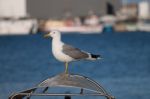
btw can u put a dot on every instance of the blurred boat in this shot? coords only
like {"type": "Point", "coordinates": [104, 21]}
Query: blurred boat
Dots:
{"type": "Point", "coordinates": [18, 27]}
{"type": "Point", "coordinates": [68, 27]}
{"type": "Point", "coordinates": [144, 25]}
{"type": "Point", "coordinates": [108, 22]}
{"type": "Point", "coordinates": [131, 27]}
{"type": "Point", "coordinates": [79, 29]}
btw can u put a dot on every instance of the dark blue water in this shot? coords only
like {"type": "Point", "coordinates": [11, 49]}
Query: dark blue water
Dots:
{"type": "Point", "coordinates": [124, 70]}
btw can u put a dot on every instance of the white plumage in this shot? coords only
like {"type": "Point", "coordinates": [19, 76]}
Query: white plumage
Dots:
{"type": "Point", "coordinates": [57, 47]}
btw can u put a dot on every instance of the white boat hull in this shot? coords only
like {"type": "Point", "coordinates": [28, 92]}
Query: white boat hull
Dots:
{"type": "Point", "coordinates": [17, 27]}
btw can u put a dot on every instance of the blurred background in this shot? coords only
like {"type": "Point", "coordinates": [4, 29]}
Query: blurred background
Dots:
{"type": "Point", "coordinates": [119, 30]}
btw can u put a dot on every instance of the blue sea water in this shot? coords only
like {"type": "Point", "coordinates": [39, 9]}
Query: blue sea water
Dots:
{"type": "Point", "coordinates": [124, 70]}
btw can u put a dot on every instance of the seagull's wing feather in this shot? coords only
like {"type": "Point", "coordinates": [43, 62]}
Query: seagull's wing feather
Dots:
{"type": "Point", "coordinates": [74, 52]}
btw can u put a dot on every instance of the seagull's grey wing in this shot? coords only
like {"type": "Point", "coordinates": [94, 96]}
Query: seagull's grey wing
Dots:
{"type": "Point", "coordinates": [74, 52]}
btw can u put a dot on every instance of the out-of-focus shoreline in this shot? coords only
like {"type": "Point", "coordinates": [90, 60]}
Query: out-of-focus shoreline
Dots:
{"type": "Point", "coordinates": [132, 17]}
{"type": "Point", "coordinates": [32, 26]}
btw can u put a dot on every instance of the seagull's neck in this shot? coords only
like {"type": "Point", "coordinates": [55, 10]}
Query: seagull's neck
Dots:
{"type": "Point", "coordinates": [56, 40]}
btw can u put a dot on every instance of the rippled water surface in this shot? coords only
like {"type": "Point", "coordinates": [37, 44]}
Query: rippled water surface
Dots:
{"type": "Point", "coordinates": [124, 70]}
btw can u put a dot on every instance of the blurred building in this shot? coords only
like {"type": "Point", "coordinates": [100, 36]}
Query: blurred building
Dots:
{"type": "Point", "coordinates": [128, 11]}
{"type": "Point", "coordinates": [58, 8]}
{"type": "Point", "coordinates": [12, 8]}
{"type": "Point", "coordinates": [144, 10]}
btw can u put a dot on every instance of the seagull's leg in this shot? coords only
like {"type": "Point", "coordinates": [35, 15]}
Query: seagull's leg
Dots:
{"type": "Point", "coordinates": [66, 67]}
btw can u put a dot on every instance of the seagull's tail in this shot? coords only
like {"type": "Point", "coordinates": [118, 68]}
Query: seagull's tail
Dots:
{"type": "Point", "coordinates": [94, 57]}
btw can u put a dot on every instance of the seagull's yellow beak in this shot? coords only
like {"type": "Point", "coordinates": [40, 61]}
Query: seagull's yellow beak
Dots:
{"type": "Point", "coordinates": [47, 35]}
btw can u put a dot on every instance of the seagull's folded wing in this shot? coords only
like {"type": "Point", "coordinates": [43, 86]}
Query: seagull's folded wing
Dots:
{"type": "Point", "coordinates": [74, 52]}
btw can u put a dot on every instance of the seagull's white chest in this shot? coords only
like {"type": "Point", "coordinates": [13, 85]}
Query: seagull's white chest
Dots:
{"type": "Point", "coordinates": [57, 50]}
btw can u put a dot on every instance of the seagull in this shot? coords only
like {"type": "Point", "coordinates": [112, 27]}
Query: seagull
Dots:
{"type": "Point", "coordinates": [67, 53]}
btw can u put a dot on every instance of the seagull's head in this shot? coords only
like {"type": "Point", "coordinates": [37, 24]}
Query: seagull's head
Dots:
{"type": "Point", "coordinates": [53, 34]}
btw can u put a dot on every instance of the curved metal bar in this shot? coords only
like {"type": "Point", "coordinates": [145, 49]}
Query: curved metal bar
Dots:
{"type": "Point", "coordinates": [65, 80]}
{"type": "Point", "coordinates": [73, 80]}
{"type": "Point", "coordinates": [59, 94]}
